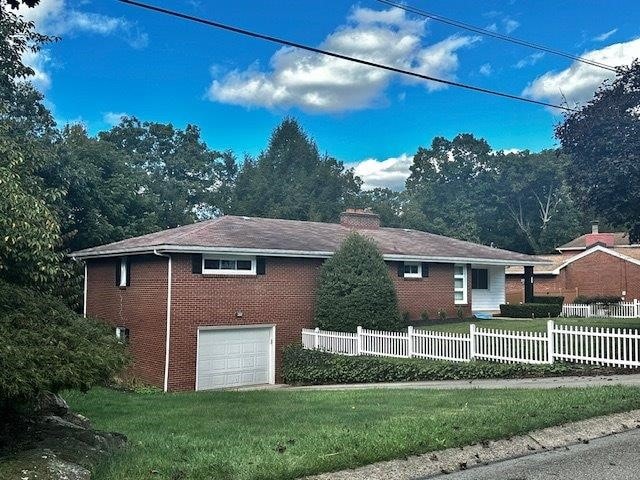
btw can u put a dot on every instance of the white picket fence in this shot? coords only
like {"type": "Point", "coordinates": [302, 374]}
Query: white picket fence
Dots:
{"type": "Point", "coordinates": [614, 310]}
{"type": "Point", "coordinates": [593, 345]}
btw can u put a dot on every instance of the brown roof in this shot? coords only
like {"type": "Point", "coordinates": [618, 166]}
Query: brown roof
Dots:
{"type": "Point", "coordinates": [299, 238]}
{"type": "Point", "coordinates": [619, 238]}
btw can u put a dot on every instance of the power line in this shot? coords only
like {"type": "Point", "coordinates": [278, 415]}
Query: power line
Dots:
{"type": "Point", "coordinates": [500, 36]}
{"type": "Point", "coordinates": [301, 46]}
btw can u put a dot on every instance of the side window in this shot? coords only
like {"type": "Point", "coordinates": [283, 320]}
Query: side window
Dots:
{"type": "Point", "coordinates": [460, 284]}
{"type": "Point", "coordinates": [480, 279]}
{"type": "Point", "coordinates": [123, 272]}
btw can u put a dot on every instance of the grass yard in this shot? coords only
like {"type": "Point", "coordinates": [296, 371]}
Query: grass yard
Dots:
{"type": "Point", "coordinates": [286, 434]}
{"type": "Point", "coordinates": [531, 325]}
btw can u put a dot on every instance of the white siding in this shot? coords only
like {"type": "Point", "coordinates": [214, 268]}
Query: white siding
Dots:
{"type": "Point", "coordinates": [489, 300]}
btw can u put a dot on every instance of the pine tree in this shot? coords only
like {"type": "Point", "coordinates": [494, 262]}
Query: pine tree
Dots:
{"type": "Point", "coordinates": [355, 289]}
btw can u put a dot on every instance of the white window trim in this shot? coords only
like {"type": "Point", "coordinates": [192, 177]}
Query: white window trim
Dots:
{"type": "Point", "coordinates": [221, 271]}
{"type": "Point", "coordinates": [464, 284]}
{"type": "Point", "coordinates": [123, 272]}
{"type": "Point", "coordinates": [413, 275]}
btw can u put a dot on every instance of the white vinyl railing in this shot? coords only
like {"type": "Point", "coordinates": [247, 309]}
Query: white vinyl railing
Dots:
{"type": "Point", "coordinates": [614, 310]}
{"type": "Point", "coordinates": [593, 345]}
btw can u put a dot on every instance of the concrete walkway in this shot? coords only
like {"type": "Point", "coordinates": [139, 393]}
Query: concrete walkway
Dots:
{"type": "Point", "coordinates": [459, 459]}
{"type": "Point", "coordinates": [542, 383]}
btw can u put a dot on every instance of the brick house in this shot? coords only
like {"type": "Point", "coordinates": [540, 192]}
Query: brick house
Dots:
{"type": "Point", "coordinates": [212, 304]}
{"type": "Point", "coordinates": [596, 263]}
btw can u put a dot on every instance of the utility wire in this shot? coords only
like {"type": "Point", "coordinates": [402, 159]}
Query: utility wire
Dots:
{"type": "Point", "coordinates": [500, 36]}
{"type": "Point", "coordinates": [301, 46]}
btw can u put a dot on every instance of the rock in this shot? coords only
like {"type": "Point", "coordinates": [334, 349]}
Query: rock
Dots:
{"type": "Point", "coordinates": [51, 404]}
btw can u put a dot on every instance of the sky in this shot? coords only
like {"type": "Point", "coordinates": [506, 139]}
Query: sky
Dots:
{"type": "Point", "coordinates": [113, 59]}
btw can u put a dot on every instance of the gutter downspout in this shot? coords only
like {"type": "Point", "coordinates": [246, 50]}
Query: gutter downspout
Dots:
{"type": "Point", "coordinates": [168, 321]}
{"type": "Point", "coordinates": [84, 301]}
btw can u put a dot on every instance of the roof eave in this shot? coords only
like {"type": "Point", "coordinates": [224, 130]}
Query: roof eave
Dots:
{"type": "Point", "coordinates": [88, 254]}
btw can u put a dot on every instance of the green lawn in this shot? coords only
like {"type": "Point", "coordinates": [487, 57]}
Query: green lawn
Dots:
{"type": "Point", "coordinates": [531, 325]}
{"type": "Point", "coordinates": [286, 434]}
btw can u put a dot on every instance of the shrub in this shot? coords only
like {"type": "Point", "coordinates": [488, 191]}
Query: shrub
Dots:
{"type": "Point", "coordinates": [45, 346]}
{"type": "Point", "coordinates": [604, 299]}
{"type": "Point", "coordinates": [313, 367]}
{"type": "Point", "coordinates": [424, 316]}
{"type": "Point", "coordinates": [531, 310]}
{"type": "Point", "coordinates": [459, 313]}
{"type": "Point", "coordinates": [548, 299]}
{"type": "Point", "coordinates": [442, 315]}
{"type": "Point", "coordinates": [355, 289]}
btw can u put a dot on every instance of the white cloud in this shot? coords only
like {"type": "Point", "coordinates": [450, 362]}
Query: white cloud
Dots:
{"type": "Point", "coordinates": [39, 62]}
{"type": "Point", "coordinates": [579, 82]}
{"type": "Point", "coordinates": [390, 173]}
{"type": "Point", "coordinates": [113, 118]}
{"type": "Point", "coordinates": [507, 25]}
{"type": "Point", "coordinates": [486, 69]}
{"type": "Point", "coordinates": [318, 83]}
{"type": "Point", "coordinates": [603, 36]}
{"type": "Point", "coordinates": [529, 60]}
{"type": "Point", "coordinates": [55, 17]}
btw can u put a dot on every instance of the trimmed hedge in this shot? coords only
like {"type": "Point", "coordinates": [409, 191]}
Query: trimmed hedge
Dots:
{"type": "Point", "coordinates": [548, 299]}
{"type": "Point", "coordinates": [314, 367]}
{"type": "Point", "coordinates": [531, 310]}
{"type": "Point", "coordinates": [605, 299]}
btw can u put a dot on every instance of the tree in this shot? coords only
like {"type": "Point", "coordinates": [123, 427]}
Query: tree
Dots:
{"type": "Point", "coordinates": [355, 289]}
{"type": "Point", "coordinates": [603, 140]}
{"type": "Point", "coordinates": [292, 180]}
{"type": "Point", "coordinates": [384, 202]}
{"type": "Point", "coordinates": [445, 186]}
{"type": "Point", "coordinates": [533, 210]}
{"type": "Point", "coordinates": [47, 347]}
{"type": "Point", "coordinates": [29, 228]}
{"type": "Point", "coordinates": [188, 178]}
{"type": "Point", "coordinates": [105, 199]}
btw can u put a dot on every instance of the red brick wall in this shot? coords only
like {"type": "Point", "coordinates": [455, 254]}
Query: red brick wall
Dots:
{"type": "Point", "coordinates": [430, 294]}
{"type": "Point", "coordinates": [596, 274]}
{"type": "Point", "coordinates": [285, 297]}
{"type": "Point", "coordinates": [141, 307]}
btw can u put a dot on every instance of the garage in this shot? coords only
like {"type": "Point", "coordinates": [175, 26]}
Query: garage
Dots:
{"type": "Point", "coordinates": [235, 356]}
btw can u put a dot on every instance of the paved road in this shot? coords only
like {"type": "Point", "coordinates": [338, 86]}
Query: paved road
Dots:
{"type": "Point", "coordinates": [614, 457]}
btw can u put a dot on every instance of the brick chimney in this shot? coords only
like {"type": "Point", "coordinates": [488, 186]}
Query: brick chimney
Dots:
{"type": "Point", "coordinates": [597, 238]}
{"type": "Point", "coordinates": [360, 219]}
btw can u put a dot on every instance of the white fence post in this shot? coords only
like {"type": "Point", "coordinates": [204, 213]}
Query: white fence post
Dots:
{"type": "Point", "coordinates": [472, 341]}
{"type": "Point", "coordinates": [410, 340]}
{"type": "Point", "coordinates": [358, 340]}
{"type": "Point", "coordinates": [315, 338]}
{"type": "Point", "coordinates": [636, 308]}
{"type": "Point", "coordinates": [550, 343]}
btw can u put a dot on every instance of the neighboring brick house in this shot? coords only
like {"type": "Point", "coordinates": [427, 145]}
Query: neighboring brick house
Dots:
{"type": "Point", "coordinates": [212, 304]}
{"type": "Point", "coordinates": [592, 264]}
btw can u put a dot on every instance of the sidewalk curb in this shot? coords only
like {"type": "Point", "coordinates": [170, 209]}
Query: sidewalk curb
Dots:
{"type": "Point", "coordinates": [461, 458]}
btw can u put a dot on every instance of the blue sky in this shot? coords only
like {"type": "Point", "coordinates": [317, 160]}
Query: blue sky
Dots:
{"type": "Point", "coordinates": [115, 59]}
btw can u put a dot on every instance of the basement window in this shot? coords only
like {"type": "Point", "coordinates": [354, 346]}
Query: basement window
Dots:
{"type": "Point", "coordinates": [225, 265]}
{"type": "Point", "coordinates": [122, 334]}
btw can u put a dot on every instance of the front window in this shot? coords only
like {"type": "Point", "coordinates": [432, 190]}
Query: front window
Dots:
{"type": "Point", "coordinates": [229, 265]}
{"type": "Point", "coordinates": [460, 284]}
{"type": "Point", "coordinates": [412, 270]}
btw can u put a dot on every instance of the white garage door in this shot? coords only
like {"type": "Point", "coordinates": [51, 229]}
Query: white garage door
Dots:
{"type": "Point", "coordinates": [232, 357]}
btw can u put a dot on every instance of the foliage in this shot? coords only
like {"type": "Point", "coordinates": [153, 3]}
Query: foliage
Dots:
{"type": "Point", "coordinates": [44, 346]}
{"type": "Point", "coordinates": [314, 367]}
{"type": "Point", "coordinates": [603, 140]}
{"type": "Point", "coordinates": [590, 299]}
{"type": "Point", "coordinates": [548, 299]}
{"type": "Point", "coordinates": [355, 289]}
{"type": "Point", "coordinates": [292, 180]}
{"type": "Point", "coordinates": [189, 180]}
{"type": "Point", "coordinates": [531, 310]}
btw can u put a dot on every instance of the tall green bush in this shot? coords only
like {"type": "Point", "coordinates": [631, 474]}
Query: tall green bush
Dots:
{"type": "Point", "coordinates": [355, 289]}
{"type": "Point", "coordinates": [45, 346]}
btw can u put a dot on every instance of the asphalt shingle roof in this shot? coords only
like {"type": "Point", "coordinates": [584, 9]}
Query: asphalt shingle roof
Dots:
{"type": "Point", "coordinates": [619, 238]}
{"type": "Point", "coordinates": [275, 235]}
